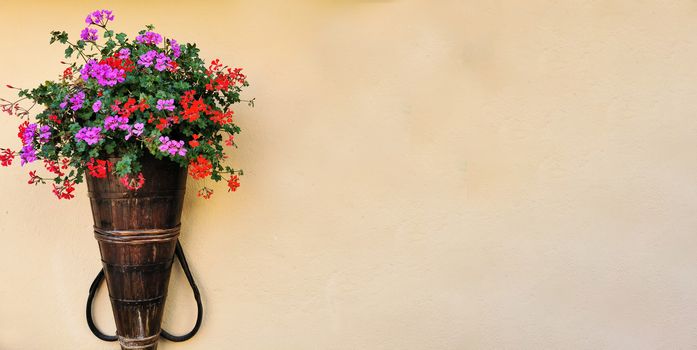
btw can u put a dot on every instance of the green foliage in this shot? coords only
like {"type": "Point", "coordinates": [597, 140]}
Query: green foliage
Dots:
{"type": "Point", "coordinates": [61, 37]}
{"type": "Point", "coordinates": [69, 51]}
{"type": "Point", "coordinates": [200, 121]}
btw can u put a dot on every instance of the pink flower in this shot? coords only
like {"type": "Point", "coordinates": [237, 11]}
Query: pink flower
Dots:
{"type": "Point", "coordinates": [165, 105]}
{"type": "Point", "coordinates": [149, 38]}
{"type": "Point", "coordinates": [89, 34]}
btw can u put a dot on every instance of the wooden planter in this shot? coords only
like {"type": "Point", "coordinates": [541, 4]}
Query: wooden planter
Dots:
{"type": "Point", "coordinates": [137, 233]}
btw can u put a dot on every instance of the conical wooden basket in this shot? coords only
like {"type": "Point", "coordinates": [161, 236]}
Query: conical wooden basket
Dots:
{"type": "Point", "coordinates": [137, 233]}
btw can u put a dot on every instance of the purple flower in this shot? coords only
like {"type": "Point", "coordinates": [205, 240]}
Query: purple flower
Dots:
{"type": "Point", "coordinates": [124, 54]}
{"type": "Point", "coordinates": [27, 154]}
{"type": "Point", "coordinates": [89, 34]}
{"type": "Point", "coordinates": [91, 135]}
{"type": "Point", "coordinates": [114, 122]}
{"type": "Point", "coordinates": [149, 38]}
{"type": "Point", "coordinates": [99, 17]}
{"type": "Point", "coordinates": [147, 58]}
{"type": "Point", "coordinates": [29, 134]}
{"type": "Point", "coordinates": [44, 133]}
{"type": "Point", "coordinates": [97, 106]}
{"type": "Point", "coordinates": [165, 104]}
{"type": "Point", "coordinates": [105, 75]}
{"type": "Point", "coordinates": [161, 62]}
{"type": "Point", "coordinates": [176, 49]}
{"type": "Point", "coordinates": [172, 147]}
{"type": "Point", "coordinates": [77, 100]}
{"type": "Point", "coordinates": [136, 130]}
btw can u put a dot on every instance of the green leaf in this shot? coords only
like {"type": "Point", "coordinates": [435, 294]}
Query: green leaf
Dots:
{"type": "Point", "coordinates": [110, 147]}
{"type": "Point", "coordinates": [54, 36]}
{"type": "Point", "coordinates": [69, 51]}
{"type": "Point", "coordinates": [123, 167]}
{"type": "Point", "coordinates": [86, 115]}
{"type": "Point", "coordinates": [108, 47]}
{"type": "Point", "coordinates": [61, 37]}
{"type": "Point", "coordinates": [121, 38]}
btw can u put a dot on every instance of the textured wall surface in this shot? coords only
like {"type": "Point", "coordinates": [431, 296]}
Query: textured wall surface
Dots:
{"type": "Point", "coordinates": [419, 175]}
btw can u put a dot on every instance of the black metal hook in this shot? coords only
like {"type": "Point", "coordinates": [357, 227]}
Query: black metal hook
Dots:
{"type": "Point", "coordinates": [179, 252]}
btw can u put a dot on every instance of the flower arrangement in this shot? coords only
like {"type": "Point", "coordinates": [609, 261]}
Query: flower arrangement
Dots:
{"type": "Point", "coordinates": [127, 98]}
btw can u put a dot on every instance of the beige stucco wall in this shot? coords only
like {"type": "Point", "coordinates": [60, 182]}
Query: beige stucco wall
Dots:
{"type": "Point", "coordinates": [419, 175]}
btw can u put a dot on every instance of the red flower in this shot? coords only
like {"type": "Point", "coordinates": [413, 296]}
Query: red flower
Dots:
{"type": "Point", "coordinates": [164, 123]}
{"type": "Point", "coordinates": [192, 108]}
{"type": "Point", "coordinates": [200, 168]}
{"type": "Point", "coordinates": [230, 141]}
{"type": "Point", "coordinates": [54, 118]}
{"type": "Point", "coordinates": [21, 128]}
{"type": "Point", "coordinates": [187, 98]}
{"type": "Point", "coordinates": [142, 106]}
{"type": "Point", "coordinates": [64, 191]}
{"type": "Point", "coordinates": [193, 143]}
{"type": "Point", "coordinates": [221, 78]}
{"type": "Point", "coordinates": [52, 167]}
{"type": "Point", "coordinates": [6, 157]}
{"type": "Point", "coordinates": [173, 66]}
{"type": "Point", "coordinates": [233, 183]}
{"type": "Point", "coordinates": [99, 168]}
{"type": "Point", "coordinates": [129, 107]}
{"type": "Point", "coordinates": [118, 63]}
{"type": "Point", "coordinates": [220, 117]}
{"type": "Point", "coordinates": [68, 73]}
{"type": "Point", "coordinates": [214, 66]}
{"type": "Point", "coordinates": [205, 193]}
{"type": "Point", "coordinates": [33, 179]}
{"type": "Point", "coordinates": [133, 183]}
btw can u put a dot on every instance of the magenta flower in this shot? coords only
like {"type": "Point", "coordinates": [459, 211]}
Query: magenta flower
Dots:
{"type": "Point", "coordinates": [147, 58]}
{"type": "Point", "coordinates": [97, 106]}
{"type": "Point", "coordinates": [165, 105]}
{"type": "Point", "coordinates": [176, 49]}
{"type": "Point", "coordinates": [105, 75]}
{"type": "Point", "coordinates": [161, 62]}
{"type": "Point", "coordinates": [44, 133]}
{"type": "Point", "coordinates": [99, 17]}
{"type": "Point", "coordinates": [76, 101]}
{"type": "Point", "coordinates": [149, 38]}
{"type": "Point", "coordinates": [29, 134]}
{"type": "Point", "coordinates": [89, 34]}
{"type": "Point", "coordinates": [136, 130]}
{"type": "Point", "coordinates": [91, 135]}
{"type": "Point", "coordinates": [27, 155]}
{"type": "Point", "coordinates": [114, 122]}
{"type": "Point", "coordinates": [124, 53]}
{"type": "Point", "coordinates": [172, 147]}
